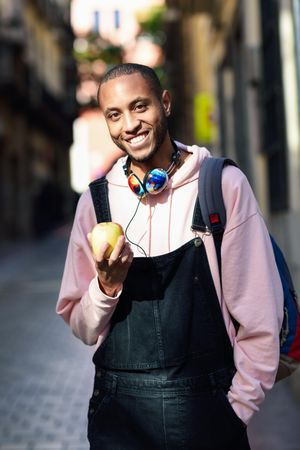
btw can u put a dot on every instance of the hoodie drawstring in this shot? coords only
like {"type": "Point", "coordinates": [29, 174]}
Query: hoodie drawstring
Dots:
{"type": "Point", "coordinates": [169, 224]}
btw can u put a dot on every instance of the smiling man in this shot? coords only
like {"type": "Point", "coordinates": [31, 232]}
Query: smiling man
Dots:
{"type": "Point", "coordinates": [172, 370]}
{"type": "Point", "coordinates": [138, 124]}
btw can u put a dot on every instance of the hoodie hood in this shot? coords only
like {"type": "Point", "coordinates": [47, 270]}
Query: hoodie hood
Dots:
{"type": "Point", "coordinates": [188, 172]}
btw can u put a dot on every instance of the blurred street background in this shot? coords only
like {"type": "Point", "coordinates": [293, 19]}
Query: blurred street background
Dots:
{"type": "Point", "coordinates": [233, 69]}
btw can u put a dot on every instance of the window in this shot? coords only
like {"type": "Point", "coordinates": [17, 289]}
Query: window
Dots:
{"type": "Point", "coordinates": [117, 18]}
{"type": "Point", "coordinates": [97, 21]}
{"type": "Point", "coordinates": [274, 127]}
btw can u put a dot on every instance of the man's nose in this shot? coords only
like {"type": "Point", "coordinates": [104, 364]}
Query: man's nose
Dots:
{"type": "Point", "coordinates": [131, 123]}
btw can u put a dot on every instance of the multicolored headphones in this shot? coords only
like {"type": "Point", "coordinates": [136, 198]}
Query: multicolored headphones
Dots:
{"type": "Point", "coordinates": [154, 181]}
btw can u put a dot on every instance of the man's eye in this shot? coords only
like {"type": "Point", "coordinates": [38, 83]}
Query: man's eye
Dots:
{"type": "Point", "coordinates": [140, 107]}
{"type": "Point", "coordinates": [113, 116]}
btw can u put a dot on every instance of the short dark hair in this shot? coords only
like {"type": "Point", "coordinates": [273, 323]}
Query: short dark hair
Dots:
{"type": "Point", "coordinates": [129, 69]}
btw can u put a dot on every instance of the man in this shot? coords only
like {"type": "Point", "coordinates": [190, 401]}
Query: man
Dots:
{"type": "Point", "coordinates": [172, 370]}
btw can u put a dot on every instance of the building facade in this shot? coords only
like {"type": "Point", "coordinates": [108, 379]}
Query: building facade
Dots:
{"type": "Point", "coordinates": [238, 82]}
{"type": "Point", "coordinates": [37, 108]}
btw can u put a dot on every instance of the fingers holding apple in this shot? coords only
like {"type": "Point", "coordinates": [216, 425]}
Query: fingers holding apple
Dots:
{"type": "Point", "coordinates": [122, 256]}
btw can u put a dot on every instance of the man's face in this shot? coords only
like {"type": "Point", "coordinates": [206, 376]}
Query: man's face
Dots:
{"type": "Point", "coordinates": [136, 118]}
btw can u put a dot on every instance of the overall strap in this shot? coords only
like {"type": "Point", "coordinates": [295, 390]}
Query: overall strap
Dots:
{"type": "Point", "coordinates": [99, 192]}
{"type": "Point", "coordinates": [211, 199]}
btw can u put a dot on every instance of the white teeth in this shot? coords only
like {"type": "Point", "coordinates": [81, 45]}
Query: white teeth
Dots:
{"type": "Point", "coordinates": [138, 139]}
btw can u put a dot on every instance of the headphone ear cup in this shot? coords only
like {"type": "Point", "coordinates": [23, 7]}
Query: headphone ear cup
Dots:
{"type": "Point", "coordinates": [136, 185]}
{"type": "Point", "coordinates": [155, 181]}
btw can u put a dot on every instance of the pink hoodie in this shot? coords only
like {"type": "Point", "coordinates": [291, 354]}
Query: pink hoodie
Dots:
{"type": "Point", "coordinates": [251, 288]}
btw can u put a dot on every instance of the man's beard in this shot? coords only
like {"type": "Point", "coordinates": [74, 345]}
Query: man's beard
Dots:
{"type": "Point", "coordinates": [159, 137]}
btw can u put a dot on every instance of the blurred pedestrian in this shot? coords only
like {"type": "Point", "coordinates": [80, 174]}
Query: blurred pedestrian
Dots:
{"type": "Point", "coordinates": [172, 368]}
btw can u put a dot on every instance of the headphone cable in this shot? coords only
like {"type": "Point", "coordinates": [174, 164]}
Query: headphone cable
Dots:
{"type": "Point", "coordinates": [131, 242]}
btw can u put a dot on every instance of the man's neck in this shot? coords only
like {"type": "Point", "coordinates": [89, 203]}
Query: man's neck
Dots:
{"type": "Point", "coordinates": [162, 159]}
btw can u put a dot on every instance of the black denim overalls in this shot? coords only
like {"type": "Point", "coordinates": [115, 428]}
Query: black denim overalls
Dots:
{"type": "Point", "coordinates": [163, 372]}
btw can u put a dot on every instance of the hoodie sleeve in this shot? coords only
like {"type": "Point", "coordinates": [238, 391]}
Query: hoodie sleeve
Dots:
{"type": "Point", "coordinates": [252, 293]}
{"type": "Point", "coordinates": [81, 303]}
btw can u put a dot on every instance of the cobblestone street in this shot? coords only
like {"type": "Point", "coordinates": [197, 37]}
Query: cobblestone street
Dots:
{"type": "Point", "coordinates": [46, 374]}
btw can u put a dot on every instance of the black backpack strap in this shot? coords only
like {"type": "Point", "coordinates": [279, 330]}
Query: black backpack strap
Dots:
{"type": "Point", "coordinates": [211, 199]}
{"type": "Point", "coordinates": [99, 192]}
{"type": "Point", "coordinates": [198, 222]}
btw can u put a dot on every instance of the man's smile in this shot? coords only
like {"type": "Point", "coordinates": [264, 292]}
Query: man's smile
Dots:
{"type": "Point", "coordinates": [138, 140]}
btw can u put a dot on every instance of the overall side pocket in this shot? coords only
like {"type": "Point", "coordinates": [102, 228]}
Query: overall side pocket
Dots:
{"type": "Point", "coordinates": [97, 404]}
{"type": "Point", "coordinates": [229, 409]}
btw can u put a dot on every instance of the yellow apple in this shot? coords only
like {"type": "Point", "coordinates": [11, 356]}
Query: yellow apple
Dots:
{"type": "Point", "coordinates": [105, 232]}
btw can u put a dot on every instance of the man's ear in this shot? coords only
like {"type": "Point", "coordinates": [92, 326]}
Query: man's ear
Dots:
{"type": "Point", "coordinates": [166, 102]}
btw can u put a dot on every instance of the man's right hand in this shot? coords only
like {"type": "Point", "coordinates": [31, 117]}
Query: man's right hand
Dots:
{"type": "Point", "coordinates": [113, 271]}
